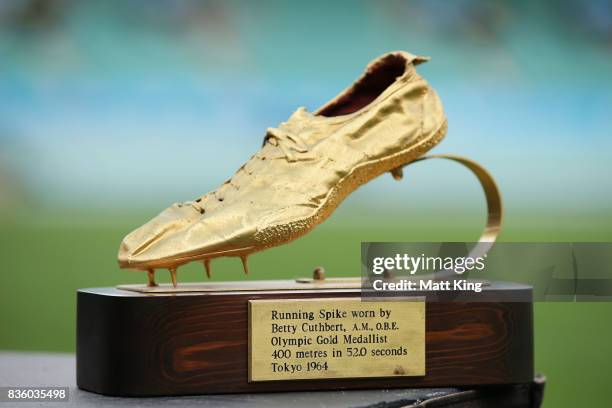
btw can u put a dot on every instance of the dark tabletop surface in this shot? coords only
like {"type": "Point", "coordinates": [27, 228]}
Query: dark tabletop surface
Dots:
{"type": "Point", "coordinates": [47, 369]}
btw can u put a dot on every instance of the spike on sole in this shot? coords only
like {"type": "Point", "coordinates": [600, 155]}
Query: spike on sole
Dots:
{"type": "Point", "coordinates": [151, 277]}
{"type": "Point", "coordinates": [397, 173]}
{"type": "Point", "coordinates": [207, 267]}
{"type": "Point", "coordinates": [245, 264]}
{"type": "Point", "coordinates": [173, 276]}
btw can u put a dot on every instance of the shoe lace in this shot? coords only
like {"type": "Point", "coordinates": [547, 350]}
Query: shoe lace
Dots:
{"type": "Point", "coordinates": [288, 138]}
{"type": "Point", "coordinates": [290, 143]}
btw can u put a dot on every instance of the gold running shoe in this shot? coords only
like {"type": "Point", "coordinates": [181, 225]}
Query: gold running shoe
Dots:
{"type": "Point", "coordinates": [389, 117]}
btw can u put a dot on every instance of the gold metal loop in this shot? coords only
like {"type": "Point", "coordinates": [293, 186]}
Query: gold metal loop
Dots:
{"type": "Point", "coordinates": [494, 205]}
{"type": "Point", "coordinates": [492, 194]}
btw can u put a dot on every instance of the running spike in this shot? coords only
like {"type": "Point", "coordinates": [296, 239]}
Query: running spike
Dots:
{"type": "Point", "coordinates": [245, 265]}
{"type": "Point", "coordinates": [207, 266]}
{"type": "Point", "coordinates": [173, 276]}
{"type": "Point", "coordinates": [151, 276]}
{"type": "Point", "coordinates": [397, 173]}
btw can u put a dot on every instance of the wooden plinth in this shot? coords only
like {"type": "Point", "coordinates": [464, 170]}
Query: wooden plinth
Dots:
{"type": "Point", "coordinates": [138, 344]}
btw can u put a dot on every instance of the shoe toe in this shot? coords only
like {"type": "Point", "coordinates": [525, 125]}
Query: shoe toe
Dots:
{"type": "Point", "coordinates": [135, 249]}
{"type": "Point", "coordinates": [179, 234]}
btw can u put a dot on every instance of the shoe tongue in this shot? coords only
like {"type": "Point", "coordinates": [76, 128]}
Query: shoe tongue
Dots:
{"type": "Point", "coordinates": [302, 125]}
{"type": "Point", "coordinates": [300, 114]}
{"type": "Point", "coordinates": [302, 121]}
{"type": "Point", "coordinates": [299, 121]}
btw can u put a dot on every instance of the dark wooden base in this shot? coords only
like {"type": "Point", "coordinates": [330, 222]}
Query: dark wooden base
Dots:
{"type": "Point", "coordinates": [135, 344]}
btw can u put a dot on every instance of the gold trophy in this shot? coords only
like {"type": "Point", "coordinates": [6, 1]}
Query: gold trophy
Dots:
{"type": "Point", "coordinates": [305, 334]}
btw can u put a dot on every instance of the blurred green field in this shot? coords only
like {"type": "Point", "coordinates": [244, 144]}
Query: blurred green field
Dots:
{"type": "Point", "coordinates": [46, 259]}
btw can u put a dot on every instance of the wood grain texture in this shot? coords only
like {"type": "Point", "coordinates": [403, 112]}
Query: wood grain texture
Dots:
{"type": "Point", "coordinates": [131, 344]}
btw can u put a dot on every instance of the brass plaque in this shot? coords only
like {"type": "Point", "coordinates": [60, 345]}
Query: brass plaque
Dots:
{"type": "Point", "coordinates": [299, 339]}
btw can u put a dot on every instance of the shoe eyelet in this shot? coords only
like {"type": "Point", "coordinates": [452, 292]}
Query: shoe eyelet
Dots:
{"type": "Point", "coordinates": [198, 200]}
{"type": "Point", "coordinates": [220, 199]}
